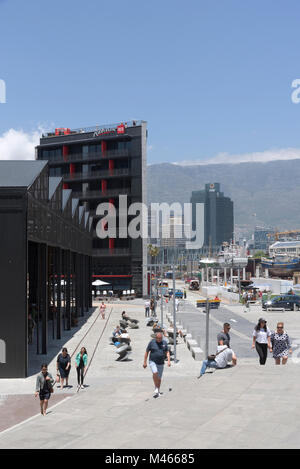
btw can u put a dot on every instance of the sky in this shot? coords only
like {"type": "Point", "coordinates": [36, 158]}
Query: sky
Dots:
{"type": "Point", "coordinates": [212, 79]}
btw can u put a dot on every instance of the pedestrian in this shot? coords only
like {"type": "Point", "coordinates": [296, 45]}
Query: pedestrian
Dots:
{"type": "Point", "coordinates": [152, 307]}
{"type": "Point", "coordinates": [262, 340]}
{"type": "Point", "coordinates": [147, 309]}
{"type": "Point", "coordinates": [44, 387]}
{"type": "Point", "coordinates": [31, 326]}
{"type": "Point", "coordinates": [281, 344]}
{"type": "Point", "coordinates": [176, 304]}
{"type": "Point", "coordinates": [81, 364]}
{"type": "Point", "coordinates": [159, 351]}
{"type": "Point", "coordinates": [184, 294]}
{"type": "Point", "coordinates": [102, 310]}
{"type": "Point", "coordinates": [223, 338]}
{"type": "Point", "coordinates": [221, 360]}
{"type": "Point", "coordinates": [63, 366]}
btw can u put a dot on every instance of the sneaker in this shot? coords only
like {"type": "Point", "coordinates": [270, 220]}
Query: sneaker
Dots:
{"type": "Point", "coordinates": [156, 395]}
{"type": "Point", "coordinates": [82, 387]}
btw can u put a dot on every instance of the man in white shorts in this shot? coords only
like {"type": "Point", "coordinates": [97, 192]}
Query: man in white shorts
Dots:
{"type": "Point", "coordinates": [159, 350]}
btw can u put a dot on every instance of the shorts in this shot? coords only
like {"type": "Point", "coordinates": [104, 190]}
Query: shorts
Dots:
{"type": "Point", "coordinates": [44, 395]}
{"type": "Point", "coordinates": [155, 368]}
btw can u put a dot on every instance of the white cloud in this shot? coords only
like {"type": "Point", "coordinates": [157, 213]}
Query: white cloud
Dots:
{"type": "Point", "coordinates": [19, 145]}
{"type": "Point", "coordinates": [257, 157]}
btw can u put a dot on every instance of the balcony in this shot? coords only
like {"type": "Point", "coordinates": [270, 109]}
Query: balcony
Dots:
{"type": "Point", "coordinates": [118, 252]}
{"type": "Point", "coordinates": [100, 195]}
{"type": "Point", "coordinates": [97, 175]}
{"type": "Point", "coordinates": [72, 158]}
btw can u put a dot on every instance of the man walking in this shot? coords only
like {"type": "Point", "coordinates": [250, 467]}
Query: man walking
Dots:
{"type": "Point", "coordinates": [158, 349]}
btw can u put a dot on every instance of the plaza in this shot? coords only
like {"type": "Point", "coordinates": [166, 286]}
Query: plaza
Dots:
{"type": "Point", "coordinates": [248, 406]}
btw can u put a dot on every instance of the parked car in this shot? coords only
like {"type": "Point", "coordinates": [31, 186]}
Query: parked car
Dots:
{"type": "Point", "coordinates": [283, 302]}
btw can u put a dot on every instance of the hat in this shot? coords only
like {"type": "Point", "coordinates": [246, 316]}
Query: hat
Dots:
{"type": "Point", "coordinates": [262, 320]}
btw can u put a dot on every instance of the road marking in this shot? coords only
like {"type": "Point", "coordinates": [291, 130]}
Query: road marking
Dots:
{"type": "Point", "coordinates": [233, 320]}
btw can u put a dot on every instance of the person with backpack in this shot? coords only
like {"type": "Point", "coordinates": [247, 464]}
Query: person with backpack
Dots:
{"type": "Point", "coordinates": [81, 364]}
{"type": "Point", "coordinates": [44, 387]}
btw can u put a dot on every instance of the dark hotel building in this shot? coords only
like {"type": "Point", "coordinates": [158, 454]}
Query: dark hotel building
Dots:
{"type": "Point", "coordinates": [46, 253]}
{"type": "Point", "coordinates": [218, 216]}
{"type": "Point", "coordinates": [99, 164]}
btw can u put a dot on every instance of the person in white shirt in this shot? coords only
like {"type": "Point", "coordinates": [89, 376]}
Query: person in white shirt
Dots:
{"type": "Point", "coordinates": [147, 309]}
{"type": "Point", "coordinates": [222, 358]}
{"type": "Point", "coordinates": [262, 340]}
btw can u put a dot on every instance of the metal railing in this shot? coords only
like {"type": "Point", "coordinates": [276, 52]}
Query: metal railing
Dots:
{"type": "Point", "coordinates": [97, 174]}
{"type": "Point", "coordinates": [96, 128]}
{"type": "Point", "coordinates": [100, 194]}
{"type": "Point", "coordinates": [111, 252]}
{"type": "Point", "coordinates": [88, 157]}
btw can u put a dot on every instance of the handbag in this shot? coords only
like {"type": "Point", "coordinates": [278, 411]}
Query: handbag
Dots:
{"type": "Point", "coordinates": [212, 357]}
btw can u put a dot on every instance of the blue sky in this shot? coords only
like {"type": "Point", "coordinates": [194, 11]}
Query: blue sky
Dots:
{"type": "Point", "coordinates": [209, 77]}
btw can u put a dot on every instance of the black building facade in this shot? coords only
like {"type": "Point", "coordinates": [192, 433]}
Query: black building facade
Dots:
{"type": "Point", "coordinates": [99, 164]}
{"type": "Point", "coordinates": [45, 250]}
{"type": "Point", "coordinates": [218, 215]}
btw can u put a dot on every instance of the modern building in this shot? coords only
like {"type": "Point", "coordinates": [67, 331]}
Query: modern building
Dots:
{"type": "Point", "coordinates": [46, 252]}
{"type": "Point", "coordinates": [100, 165]}
{"type": "Point", "coordinates": [218, 216]}
{"type": "Point", "coordinates": [262, 238]}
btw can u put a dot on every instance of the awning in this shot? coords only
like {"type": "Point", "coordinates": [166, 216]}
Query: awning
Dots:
{"type": "Point", "coordinates": [98, 283]}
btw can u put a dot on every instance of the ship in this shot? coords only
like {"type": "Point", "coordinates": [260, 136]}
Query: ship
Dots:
{"type": "Point", "coordinates": [232, 255]}
{"type": "Point", "coordinates": [281, 266]}
{"type": "Point", "coordinates": [284, 259]}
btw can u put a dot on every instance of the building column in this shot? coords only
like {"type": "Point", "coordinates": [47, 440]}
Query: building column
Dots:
{"type": "Point", "coordinates": [225, 275]}
{"type": "Point", "coordinates": [43, 294]}
{"type": "Point", "coordinates": [244, 273]}
{"type": "Point", "coordinates": [58, 291]}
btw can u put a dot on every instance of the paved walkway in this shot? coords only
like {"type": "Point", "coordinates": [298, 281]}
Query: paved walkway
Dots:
{"type": "Point", "coordinates": [248, 406]}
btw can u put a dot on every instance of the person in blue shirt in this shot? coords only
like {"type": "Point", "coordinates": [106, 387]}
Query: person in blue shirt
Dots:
{"type": "Point", "coordinates": [159, 351]}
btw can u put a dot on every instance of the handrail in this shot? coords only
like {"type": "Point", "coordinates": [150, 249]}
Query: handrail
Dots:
{"type": "Point", "coordinates": [96, 128]}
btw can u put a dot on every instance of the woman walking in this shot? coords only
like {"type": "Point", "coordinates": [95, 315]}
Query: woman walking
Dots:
{"type": "Point", "coordinates": [81, 363]}
{"type": "Point", "coordinates": [262, 340]}
{"type": "Point", "coordinates": [63, 366]}
{"type": "Point", "coordinates": [281, 344]}
{"type": "Point", "coordinates": [102, 310]}
{"type": "Point", "coordinates": [44, 387]}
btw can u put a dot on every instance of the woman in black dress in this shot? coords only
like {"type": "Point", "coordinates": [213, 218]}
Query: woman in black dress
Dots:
{"type": "Point", "coordinates": [63, 366]}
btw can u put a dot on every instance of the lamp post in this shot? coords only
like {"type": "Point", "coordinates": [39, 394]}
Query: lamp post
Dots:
{"type": "Point", "coordinates": [207, 262]}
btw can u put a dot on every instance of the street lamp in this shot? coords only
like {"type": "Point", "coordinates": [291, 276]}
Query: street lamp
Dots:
{"type": "Point", "coordinates": [207, 262]}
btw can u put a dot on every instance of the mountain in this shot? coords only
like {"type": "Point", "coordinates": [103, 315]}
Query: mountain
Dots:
{"type": "Point", "coordinates": [270, 190]}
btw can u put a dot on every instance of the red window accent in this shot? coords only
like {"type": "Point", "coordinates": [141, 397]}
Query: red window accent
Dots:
{"type": "Point", "coordinates": [65, 152]}
{"type": "Point", "coordinates": [111, 243]}
{"type": "Point", "coordinates": [72, 169]}
{"type": "Point", "coordinates": [103, 147]}
{"type": "Point", "coordinates": [111, 165]}
{"type": "Point", "coordinates": [103, 186]}
{"type": "Point", "coordinates": [65, 185]}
